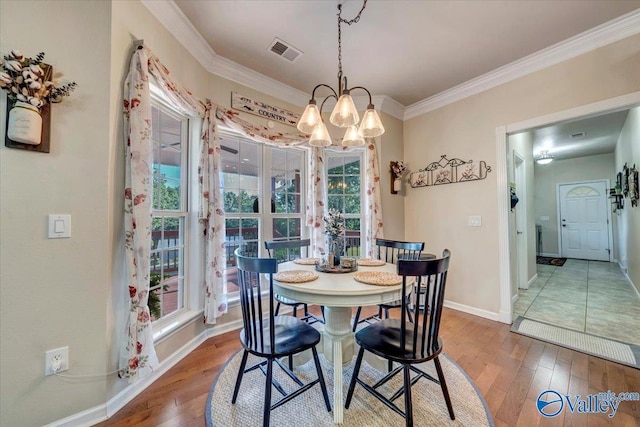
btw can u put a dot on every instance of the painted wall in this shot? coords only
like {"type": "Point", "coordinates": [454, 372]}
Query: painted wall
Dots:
{"type": "Point", "coordinates": [390, 148]}
{"type": "Point", "coordinates": [548, 176]}
{"type": "Point", "coordinates": [69, 291]}
{"type": "Point", "coordinates": [53, 292]}
{"type": "Point", "coordinates": [628, 151]}
{"type": "Point", "coordinates": [467, 129]}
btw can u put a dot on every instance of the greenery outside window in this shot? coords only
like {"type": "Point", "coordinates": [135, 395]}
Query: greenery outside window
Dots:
{"type": "Point", "coordinates": [250, 170]}
{"type": "Point", "coordinates": [169, 211]}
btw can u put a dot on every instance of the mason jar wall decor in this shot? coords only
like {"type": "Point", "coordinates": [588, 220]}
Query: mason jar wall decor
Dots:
{"type": "Point", "coordinates": [30, 93]}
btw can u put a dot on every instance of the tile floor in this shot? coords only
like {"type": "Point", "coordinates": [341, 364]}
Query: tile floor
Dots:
{"type": "Point", "coordinates": [586, 296]}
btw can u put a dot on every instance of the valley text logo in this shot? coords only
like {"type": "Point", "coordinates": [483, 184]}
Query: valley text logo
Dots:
{"type": "Point", "coordinates": [550, 403]}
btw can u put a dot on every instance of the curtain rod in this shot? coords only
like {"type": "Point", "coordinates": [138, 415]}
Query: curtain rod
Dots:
{"type": "Point", "coordinates": [139, 44]}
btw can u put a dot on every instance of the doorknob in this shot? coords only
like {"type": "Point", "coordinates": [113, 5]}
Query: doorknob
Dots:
{"type": "Point", "coordinates": [563, 219]}
{"type": "Point", "coordinates": [564, 225]}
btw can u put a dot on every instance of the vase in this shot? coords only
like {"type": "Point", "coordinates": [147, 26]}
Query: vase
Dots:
{"type": "Point", "coordinates": [336, 248]}
{"type": "Point", "coordinates": [397, 184]}
{"type": "Point", "coordinates": [25, 124]}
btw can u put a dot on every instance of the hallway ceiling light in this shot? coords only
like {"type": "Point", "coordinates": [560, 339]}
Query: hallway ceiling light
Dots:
{"type": "Point", "coordinates": [545, 158]}
{"type": "Point", "coordinates": [344, 114]}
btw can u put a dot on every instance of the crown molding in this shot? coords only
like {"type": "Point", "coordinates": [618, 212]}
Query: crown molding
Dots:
{"type": "Point", "coordinates": [174, 20]}
{"type": "Point", "coordinates": [170, 15]}
{"type": "Point", "coordinates": [607, 33]}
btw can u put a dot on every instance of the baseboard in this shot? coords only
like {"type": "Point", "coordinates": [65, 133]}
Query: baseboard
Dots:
{"type": "Point", "coordinates": [515, 298]}
{"type": "Point", "coordinates": [473, 310]}
{"type": "Point", "coordinates": [106, 410]}
{"type": "Point", "coordinates": [533, 279]}
{"type": "Point", "coordinates": [550, 255]}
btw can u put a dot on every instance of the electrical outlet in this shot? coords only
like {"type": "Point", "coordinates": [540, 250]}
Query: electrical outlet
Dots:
{"type": "Point", "coordinates": [56, 358]}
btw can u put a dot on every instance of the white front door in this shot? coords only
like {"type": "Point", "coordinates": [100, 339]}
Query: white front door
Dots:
{"type": "Point", "coordinates": [583, 220]}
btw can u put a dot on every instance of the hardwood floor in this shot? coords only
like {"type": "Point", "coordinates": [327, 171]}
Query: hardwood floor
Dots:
{"type": "Point", "coordinates": [511, 371]}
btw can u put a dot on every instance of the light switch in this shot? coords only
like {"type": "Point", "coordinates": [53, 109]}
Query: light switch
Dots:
{"type": "Point", "coordinates": [59, 226]}
{"type": "Point", "coordinates": [475, 221]}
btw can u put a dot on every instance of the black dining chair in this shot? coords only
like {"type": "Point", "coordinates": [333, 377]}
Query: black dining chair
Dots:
{"type": "Point", "coordinates": [269, 336]}
{"type": "Point", "coordinates": [289, 250]}
{"type": "Point", "coordinates": [390, 251]}
{"type": "Point", "coordinates": [408, 343]}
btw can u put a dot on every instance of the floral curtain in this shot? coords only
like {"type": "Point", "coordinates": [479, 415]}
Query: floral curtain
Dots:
{"type": "Point", "coordinates": [139, 356]}
{"type": "Point", "coordinates": [212, 217]}
{"type": "Point", "coordinates": [316, 200]}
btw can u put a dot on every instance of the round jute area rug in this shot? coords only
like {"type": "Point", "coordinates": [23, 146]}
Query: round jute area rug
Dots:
{"type": "Point", "coordinates": [308, 409]}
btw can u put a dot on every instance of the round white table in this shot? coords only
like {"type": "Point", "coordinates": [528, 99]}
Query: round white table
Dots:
{"type": "Point", "coordinates": [338, 292]}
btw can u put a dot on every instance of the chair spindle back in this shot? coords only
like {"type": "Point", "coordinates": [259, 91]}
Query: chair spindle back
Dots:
{"type": "Point", "coordinates": [430, 279]}
{"type": "Point", "coordinates": [254, 315]}
{"type": "Point", "coordinates": [391, 250]}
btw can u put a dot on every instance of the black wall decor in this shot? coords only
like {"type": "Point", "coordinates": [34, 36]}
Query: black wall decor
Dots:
{"type": "Point", "coordinates": [449, 171]}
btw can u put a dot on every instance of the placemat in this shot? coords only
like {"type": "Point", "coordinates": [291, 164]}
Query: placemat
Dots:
{"type": "Point", "coordinates": [307, 261]}
{"type": "Point", "coordinates": [370, 262]}
{"type": "Point", "coordinates": [380, 278]}
{"type": "Point", "coordinates": [295, 276]}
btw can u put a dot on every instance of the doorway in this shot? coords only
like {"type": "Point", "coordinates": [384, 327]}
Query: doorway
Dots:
{"type": "Point", "coordinates": [585, 226]}
{"type": "Point", "coordinates": [591, 110]}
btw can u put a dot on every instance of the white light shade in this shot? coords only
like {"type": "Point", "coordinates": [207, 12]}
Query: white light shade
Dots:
{"type": "Point", "coordinates": [320, 136]}
{"type": "Point", "coordinates": [544, 161]}
{"type": "Point", "coordinates": [545, 158]}
{"type": "Point", "coordinates": [310, 118]}
{"type": "Point", "coordinates": [351, 137]}
{"type": "Point", "coordinates": [371, 125]}
{"type": "Point", "coordinates": [344, 114]}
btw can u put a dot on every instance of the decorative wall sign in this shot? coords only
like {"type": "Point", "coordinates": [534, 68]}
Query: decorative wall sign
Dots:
{"type": "Point", "coordinates": [266, 111]}
{"type": "Point", "coordinates": [447, 171]}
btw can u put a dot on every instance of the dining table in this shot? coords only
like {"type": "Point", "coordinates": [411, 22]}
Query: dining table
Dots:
{"type": "Point", "coordinates": [338, 293]}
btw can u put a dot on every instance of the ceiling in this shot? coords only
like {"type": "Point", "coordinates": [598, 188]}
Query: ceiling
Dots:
{"type": "Point", "coordinates": [408, 50]}
{"type": "Point", "coordinates": [580, 138]}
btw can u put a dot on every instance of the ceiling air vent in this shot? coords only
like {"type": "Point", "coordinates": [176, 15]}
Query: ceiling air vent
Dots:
{"type": "Point", "coordinates": [577, 135]}
{"type": "Point", "coordinates": [284, 50]}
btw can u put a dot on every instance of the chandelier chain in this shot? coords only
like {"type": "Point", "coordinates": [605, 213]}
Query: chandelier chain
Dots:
{"type": "Point", "coordinates": [341, 20]}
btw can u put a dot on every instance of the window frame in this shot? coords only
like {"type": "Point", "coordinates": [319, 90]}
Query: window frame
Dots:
{"type": "Point", "coordinates": [264, 215]}
{"type": "Point", "coordinates": [187, 301]}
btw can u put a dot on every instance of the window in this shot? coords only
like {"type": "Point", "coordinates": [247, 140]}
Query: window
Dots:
{"type": "Point", "coordinates": [344, 193]}
{"type": "Point", "coordinates": [169, 211]}
{"type": "Point", "coordinates": [250, 170]}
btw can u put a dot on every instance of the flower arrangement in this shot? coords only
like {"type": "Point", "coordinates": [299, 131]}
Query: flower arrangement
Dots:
{"type": "Point", "coordinates": [398, 169]}
{"type": "Point", "coordinates": [28, 80]}
{"type": "Point", "coordinates": [334, 224]}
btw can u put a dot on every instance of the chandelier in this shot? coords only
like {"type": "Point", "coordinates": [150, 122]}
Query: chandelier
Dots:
{"type": "Point", "coordinates": [545, 158]}
{"type": "Point", "coordinates": [344, 114]}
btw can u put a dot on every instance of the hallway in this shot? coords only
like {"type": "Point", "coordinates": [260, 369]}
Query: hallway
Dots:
{"type": "Point", "coordinates": [586, 296]}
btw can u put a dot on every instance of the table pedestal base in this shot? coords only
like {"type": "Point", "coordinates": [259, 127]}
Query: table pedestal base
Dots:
{"type": "Point", "coordinates": [338, 349]}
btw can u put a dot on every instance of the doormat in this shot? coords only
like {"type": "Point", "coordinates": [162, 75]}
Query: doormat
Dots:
{"type": "Point", "coordinates": [558, 262]}
{"type": "Point", "coordinates": [616, 351]}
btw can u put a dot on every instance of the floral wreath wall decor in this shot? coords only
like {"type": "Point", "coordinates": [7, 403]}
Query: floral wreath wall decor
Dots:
{"type": "Point", "coordinates": [31, 89]}
{"type": "Point", "coordinates": [446, 171]}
